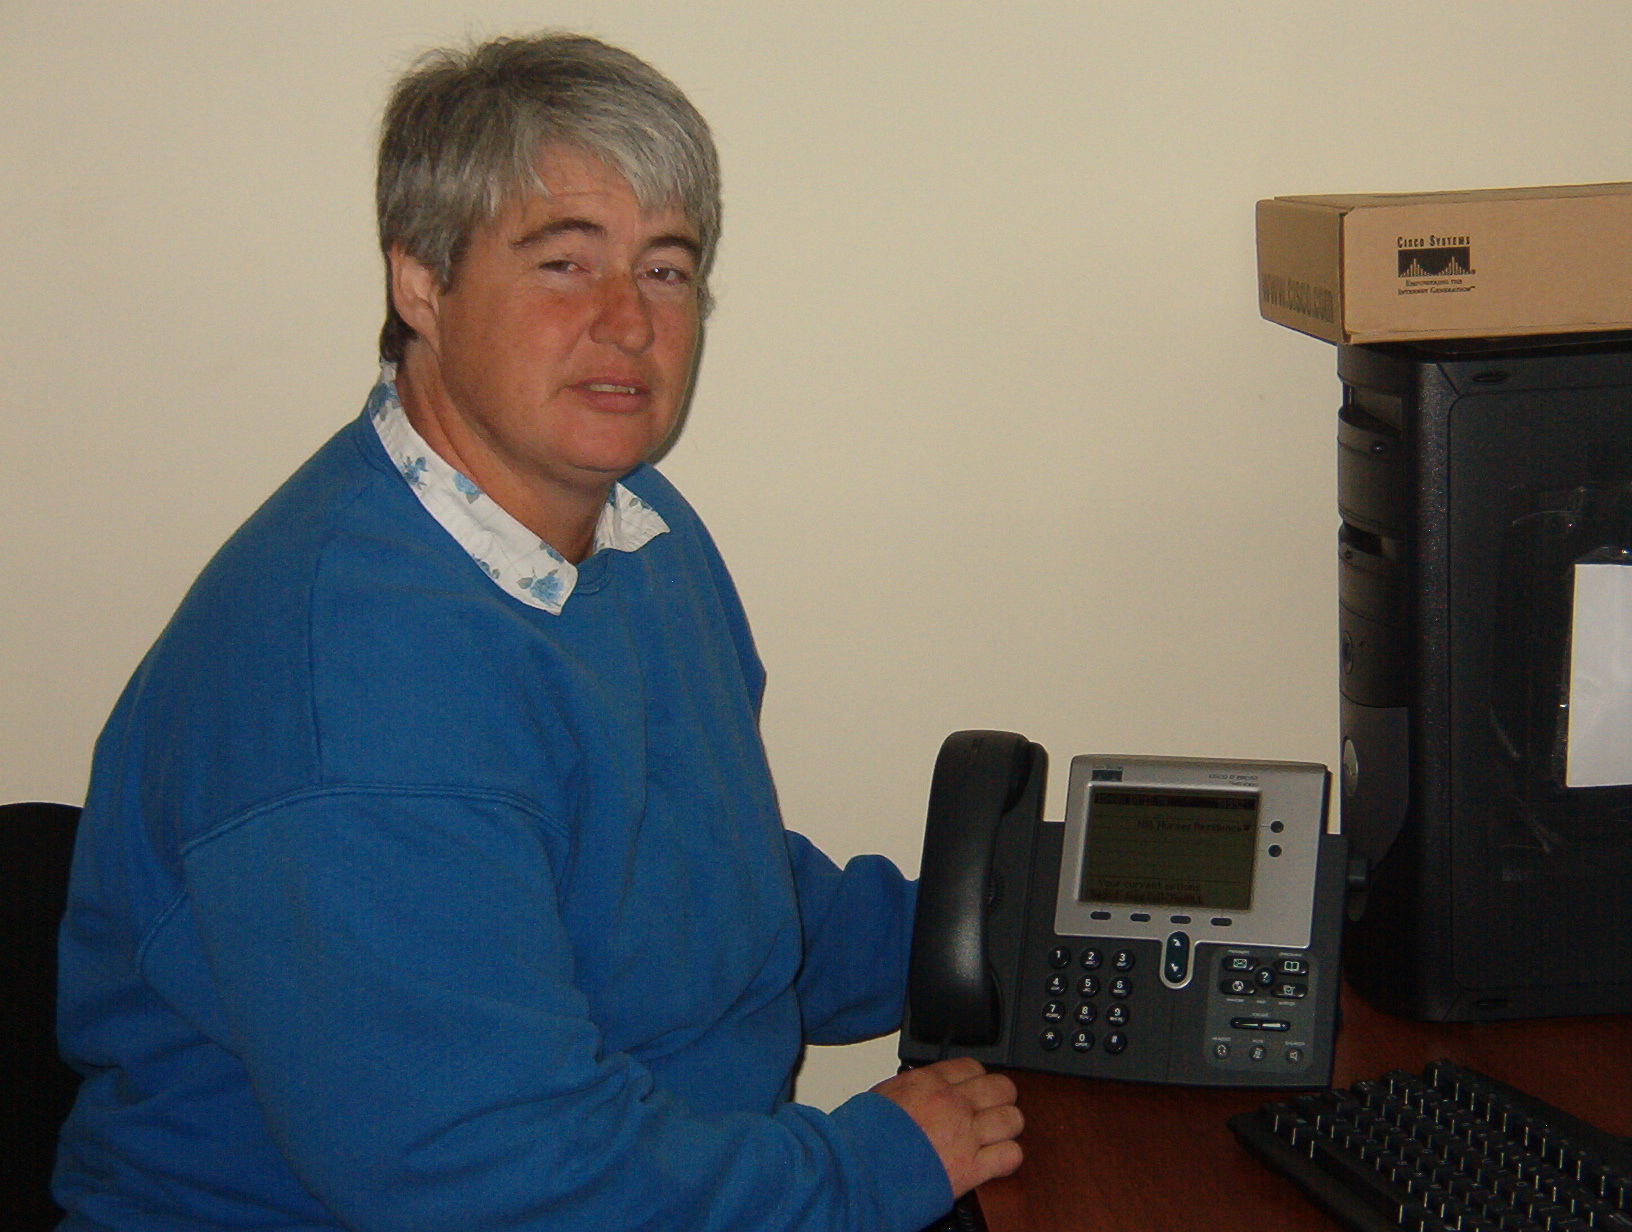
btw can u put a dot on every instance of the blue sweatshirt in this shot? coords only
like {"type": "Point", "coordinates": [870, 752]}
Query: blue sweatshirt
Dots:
{"type": "Point", "coordinates": [399, 904]}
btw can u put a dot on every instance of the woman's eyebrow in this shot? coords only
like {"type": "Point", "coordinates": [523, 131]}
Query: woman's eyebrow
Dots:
{"type": "Point", "coordinates": [684, 242]}
{"type": "Point", "coordinates": [558, 226]}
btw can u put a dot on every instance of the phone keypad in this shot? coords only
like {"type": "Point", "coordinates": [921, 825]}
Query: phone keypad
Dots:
{"type": "Point", "coordinates": [1087, 1011]}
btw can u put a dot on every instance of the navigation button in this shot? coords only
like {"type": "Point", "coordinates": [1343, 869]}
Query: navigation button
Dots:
{"type": "Point", "coordinates": [1176, 958]}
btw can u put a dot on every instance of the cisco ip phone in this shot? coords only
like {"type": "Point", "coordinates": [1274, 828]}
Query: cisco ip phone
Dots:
{"type": "Point", "coordinates": [1181, 925]}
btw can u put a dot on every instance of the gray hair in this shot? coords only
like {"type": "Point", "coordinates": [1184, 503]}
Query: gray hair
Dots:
{"type": "Point", "coordinates": [463, 130]}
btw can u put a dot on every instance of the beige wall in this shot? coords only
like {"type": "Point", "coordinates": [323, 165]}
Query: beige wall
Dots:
{"type": "Point", "coordinates": [988, 425]}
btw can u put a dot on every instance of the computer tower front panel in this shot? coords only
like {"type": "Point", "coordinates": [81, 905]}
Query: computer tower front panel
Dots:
{"type": "Point", "coordinates": [1472, 481]}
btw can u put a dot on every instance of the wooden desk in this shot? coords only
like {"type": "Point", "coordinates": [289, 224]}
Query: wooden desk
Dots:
{"type": "Point", "coordinates": [1122, 1157]}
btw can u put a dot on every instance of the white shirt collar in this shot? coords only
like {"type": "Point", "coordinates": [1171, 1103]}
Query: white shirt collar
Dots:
{"type": "Point", "coordinates": [517, 561]}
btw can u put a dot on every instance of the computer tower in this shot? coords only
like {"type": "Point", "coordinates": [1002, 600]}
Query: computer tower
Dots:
{"type": "Point", "coordinates": [1473, 478]}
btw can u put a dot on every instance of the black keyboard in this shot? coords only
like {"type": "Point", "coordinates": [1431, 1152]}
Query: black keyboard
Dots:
{"type": "Point", "coordinates": [1446, 1148]}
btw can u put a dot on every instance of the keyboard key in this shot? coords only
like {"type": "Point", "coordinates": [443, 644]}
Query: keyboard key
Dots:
{"type": "Point", "coordinates": [1383, 1196]}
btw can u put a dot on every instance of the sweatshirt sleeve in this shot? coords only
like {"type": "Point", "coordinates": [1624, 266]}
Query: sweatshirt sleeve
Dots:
{"type": "Point", "coordinates": [400, 990]}
{"type": "Point", "coordinates": [857, 933]}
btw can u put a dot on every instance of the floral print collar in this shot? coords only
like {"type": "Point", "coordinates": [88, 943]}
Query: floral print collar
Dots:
{"type": "Point", "coordinates": [515, 559]}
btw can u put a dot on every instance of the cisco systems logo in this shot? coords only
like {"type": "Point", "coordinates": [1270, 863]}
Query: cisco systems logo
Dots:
{"type": "Point", "coordinates": [1435, 256]}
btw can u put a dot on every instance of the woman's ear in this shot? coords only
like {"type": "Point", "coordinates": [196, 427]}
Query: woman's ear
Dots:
{"type": "Point", "coordinates": [416, 293]}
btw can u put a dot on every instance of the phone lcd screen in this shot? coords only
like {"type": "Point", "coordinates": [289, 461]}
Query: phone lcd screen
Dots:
{"type": "Point", "coordinates": [1170, 847]}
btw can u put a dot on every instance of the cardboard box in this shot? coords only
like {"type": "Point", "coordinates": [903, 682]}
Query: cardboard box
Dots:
{"type": "Point", "coordinates": [1415, 266]}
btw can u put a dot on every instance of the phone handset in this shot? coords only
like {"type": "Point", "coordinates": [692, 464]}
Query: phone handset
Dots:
{"type": "Point", "coordinates": [952, 993]}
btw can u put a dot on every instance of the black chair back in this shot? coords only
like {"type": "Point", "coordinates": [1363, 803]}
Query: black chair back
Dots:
{"type": "Point", "coordinates": [36, 1087]}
